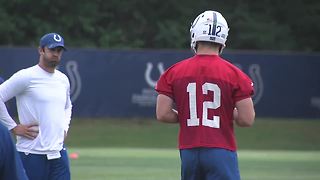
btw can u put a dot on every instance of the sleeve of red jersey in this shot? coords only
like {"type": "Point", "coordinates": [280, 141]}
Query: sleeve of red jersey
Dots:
{"type": "Point", "coordinates": [163, 86]}
{"type": "Point", "coordinates": [244, 87]}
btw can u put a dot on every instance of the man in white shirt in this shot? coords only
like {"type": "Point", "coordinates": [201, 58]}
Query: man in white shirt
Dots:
{"type": "Point", "coordinates": [44, 108]}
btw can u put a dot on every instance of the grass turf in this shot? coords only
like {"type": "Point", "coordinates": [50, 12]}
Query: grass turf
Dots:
{"type": "Point", "coordinates": [158, 164]}
{"type": "Point", "coordinates": [266, 134]}
{"type": "Point", "coordinates": [144, 149]}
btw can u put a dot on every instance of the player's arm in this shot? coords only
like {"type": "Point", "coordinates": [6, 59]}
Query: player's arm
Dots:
{"type": "Point", "coordinates": [244, 113]}
{"type": "Point", "coordinates": [165, 109]}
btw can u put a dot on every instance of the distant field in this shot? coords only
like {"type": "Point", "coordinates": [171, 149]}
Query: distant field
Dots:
{"type": "Point", "coordinates": [164, 164]}
{"type": "Point", "coordinates": [144, 149]}
{"type": "Point", "coordinates": [266, 134]}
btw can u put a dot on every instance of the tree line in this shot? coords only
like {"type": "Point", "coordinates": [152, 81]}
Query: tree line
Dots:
{"type": "Point", "coordinates": [286, 25]}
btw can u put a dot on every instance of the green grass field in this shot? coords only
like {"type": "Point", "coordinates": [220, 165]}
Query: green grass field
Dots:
{"type": "Point", "coordinates": [143, 149]}
{"type": "Point", "coordinates": [160, 164]}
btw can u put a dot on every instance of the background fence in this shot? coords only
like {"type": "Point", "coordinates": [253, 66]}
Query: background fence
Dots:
{"type": "Point", "coordinates": [120, 83]}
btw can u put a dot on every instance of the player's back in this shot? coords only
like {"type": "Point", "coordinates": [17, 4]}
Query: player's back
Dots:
{"type": "Point", "coordinates": [205, 89]}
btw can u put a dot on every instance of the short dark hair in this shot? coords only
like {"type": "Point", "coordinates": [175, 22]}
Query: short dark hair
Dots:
{"type": "Point", "coordinates": [208, 43]}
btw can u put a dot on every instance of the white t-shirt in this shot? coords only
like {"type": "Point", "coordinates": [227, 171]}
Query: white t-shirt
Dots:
{"type": "Point", "coordinates": [44, 98]}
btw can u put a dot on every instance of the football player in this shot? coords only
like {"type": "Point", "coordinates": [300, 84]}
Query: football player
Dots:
{"type": "Point", "coordinates": [206, 94]}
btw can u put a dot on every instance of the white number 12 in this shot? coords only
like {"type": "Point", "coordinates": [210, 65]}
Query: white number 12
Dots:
{"type": "Point", "coordinates": [214, 104]}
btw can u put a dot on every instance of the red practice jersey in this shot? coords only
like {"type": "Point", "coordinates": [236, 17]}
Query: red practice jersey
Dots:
{"type": "Point", "coordinates": [205, 89]}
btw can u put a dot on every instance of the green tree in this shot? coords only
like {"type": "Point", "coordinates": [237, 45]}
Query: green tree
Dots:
{"type": "Point", "coordinates": [286, 25]}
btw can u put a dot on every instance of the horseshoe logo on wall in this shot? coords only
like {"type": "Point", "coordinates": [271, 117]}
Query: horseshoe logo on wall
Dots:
{"type": "Point", "coordinates": [254, 72]}
{"type": "Point", "coordinates": [75, 79]}
{"type": "Point", "coordinates": [147, 75]}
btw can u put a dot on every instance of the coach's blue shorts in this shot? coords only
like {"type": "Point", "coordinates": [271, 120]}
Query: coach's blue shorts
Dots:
{"type": "Point", "coordinates": [38, 167]}
{"type": "Point", "coordinates": [209, 164]}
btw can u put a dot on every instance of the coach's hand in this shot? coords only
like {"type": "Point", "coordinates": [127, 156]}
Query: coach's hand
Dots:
{"type": "Point", "coordinates": [30, 131]}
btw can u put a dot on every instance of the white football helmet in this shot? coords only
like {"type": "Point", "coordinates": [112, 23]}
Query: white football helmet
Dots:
{"type": "Point", "coordinates": [209, 26]}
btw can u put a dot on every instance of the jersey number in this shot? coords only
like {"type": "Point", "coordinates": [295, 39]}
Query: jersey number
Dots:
{"type": "Point", "coordinates": [214, 104]}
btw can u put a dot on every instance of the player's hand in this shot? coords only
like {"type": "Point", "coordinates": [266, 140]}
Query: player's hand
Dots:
{"type": "Point", "coordinates": [30, 131]}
